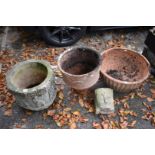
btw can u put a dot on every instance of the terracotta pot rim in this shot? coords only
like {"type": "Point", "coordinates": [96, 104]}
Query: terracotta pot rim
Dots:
{"type": "Point", "coordinates": [126, 82]}
{"type": "Point", "coordinates": [79, 47]}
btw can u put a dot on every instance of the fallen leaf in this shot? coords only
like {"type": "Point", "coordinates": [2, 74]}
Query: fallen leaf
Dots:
{"type": "Point", "coordinates": [141, 95]}
{"type": "Point", "coordinates": [8, 112]}
{"type": "Point", "coordinates": [153, 121]}
{"type": "Point", "coordinates": [126, 105]}
{"type": "Point", "coordinates": [58, 124]}
{"type": "Point", "coordinates": [73, 126]}
{"type": "Point", "coordinates": [67, 109]}
{"type": "Point", "coordinates": [39, 126]}
{"type": "Point", "coordinates": [28, 112]}
{"type": "Point", "coordinates": [24, 120]}
{"type": "Point", "coordinates": [149, 99]}
{"type": "Point", "coordinates": [147, 106]}
{"type": "Point", "coordinates": [105, 124]}
{"type": "Point", "coordinates": [77, 113]}
{"type": "Point", "coordinates": [19, 126]}
{"type": "Point", "coordinates": [51, 113]}
{"type": "Point", "coordinates": [83, 119]}
{"type": "Point", "coordinates": [91, 109]}
{"type": "Point", "coordinates": [96, 125]}
{"type": "Point", "coordinates": [81, 102]}
{"type": "Point", "coordinates": [45, 115]}
{"type": "Point", "coordinates": [124, 125]}
{"type": "Point", "coordinates": [152, 91]}
{"type": "Point", "coordinates": [153, 96]}
{"type": "Point", "coordinates": [61, 95]}
{"type": "Point", "coordinates": [132, 124]}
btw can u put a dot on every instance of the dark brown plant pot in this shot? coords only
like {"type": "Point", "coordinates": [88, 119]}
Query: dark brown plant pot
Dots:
{"type": "Point", "coordinates": [124, 69]}
{"type": "Point", "coordinates": [80, 67]}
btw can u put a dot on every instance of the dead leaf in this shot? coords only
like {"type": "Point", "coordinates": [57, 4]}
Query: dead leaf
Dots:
{"type": "Point", "coordinates": [28, 112]}
{"type": "Point", "coordinates": [51, 113]}
{"type": "Point", "coordinates": [81, 102]}
{"type": "Point", "coordinates": [126, 105]}
{"type": "Point", "coordinates": [73, 126]}
{"type": "Point", "coordinates": [39, 126]}
{"type": "Point", "coordinates": [96, 125]}
{"type": "Point", "coordinates": [149, 99]}
{"type": "Point", "coordinates": [67, 109]}
{"type": "Point", "coordinates": [18, 126]}
{"type": "Point", "coordinates": [83, 119]}
{"type": "Point", "coordinates": [147, 106]}
{"type": "Point", "coordinates": [132, 124]}
{"type": "Point", "coordinates": [153, 121]}
{"type": "Point", "coordinates": [141, 95]}
{"type": "Point", "coordinates": [152, 91]}
{"type": "Point", "coordinates": [153, 96]}
{"type": "Point", "coordinates": [105, 124]}
{"type": "Point", "coordinates": [8, 112]}
{"type": "Point", "coordinates": [77, 113]}
{"type": "Point", "coordinates": [124, 125]}
{"type": "Point", "coordinates": [58, 124]}
{"type": "Point", "coordinates": [61, 95]}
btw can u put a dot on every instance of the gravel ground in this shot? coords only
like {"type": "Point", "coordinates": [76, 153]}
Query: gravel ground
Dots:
{"type": "Point", "coordinates": [21, 45]}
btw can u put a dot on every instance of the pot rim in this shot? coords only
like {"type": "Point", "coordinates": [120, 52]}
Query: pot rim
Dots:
{"type": "Point", "coordinates": [11, 72]}
{"type": "Point", "coordinates": [79, 47]}
{"type": "Point", "coordinates": [120, 81]}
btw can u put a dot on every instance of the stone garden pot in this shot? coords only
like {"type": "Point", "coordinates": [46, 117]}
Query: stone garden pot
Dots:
{"type": "Point", "coordinates": [80, 67]}
{"type": "Point", "coordinates": [32, 83]}
{"type": "Point", "coordinates": [123, 69]}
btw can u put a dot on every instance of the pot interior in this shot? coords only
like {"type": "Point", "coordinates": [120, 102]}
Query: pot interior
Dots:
{"type": "Point", "coordinates": [29, 75]}
{"type": "Point", "coordinates": [124, 65]}
{"type": "Point", "coordinates": [79, 61]}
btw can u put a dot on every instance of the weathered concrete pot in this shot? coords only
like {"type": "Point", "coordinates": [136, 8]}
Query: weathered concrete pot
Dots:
{"type": "Point", "coordinates": [80, 67]}
{"type": "Point", "coordinates": [32, 83]}
{"type": "Point", "coordinates": [133, 67]}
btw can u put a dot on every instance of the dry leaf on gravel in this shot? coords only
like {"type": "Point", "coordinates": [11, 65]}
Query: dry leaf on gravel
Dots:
{"type": "Point", "coordinates": [51, 113]}
{"type": "Point", "coordinates": [123, 125]}
{"type": "Point", "coordinates": [61, 95]}
{"type": "Point", "coordinates": [67, 109]}
{"type": "Point", "coordinates": [141, 95]}
{"type": "Point", "coordinates": [77, 113]}
{"type": "Point", "coordinates": [81, 102]}
{"type": "Point", "coordinates": [28, 112]}
{"type": "Point", "coordinates": [96, 125]}
{"type": "Point", "coordinates": [126, 105]}
{"type": "Point", "coordinates": [149, 99]}
{"type": "Point", "coordinates": [8, 112]}
{"type": "Point", "coordinates": [153, 121]}
{"type": "Point", "coordinates": [132, 124]}
{"type": "Point", "coordinates": [39, 126]}
{"type": "Point", "coordinates": [83, 119]}
{"type": "Point", "coordinates": [152, 91]}
{"type": "Point", "coordinates": [105, 124]}
{"type": "Point", "coordinates": [73, 126]}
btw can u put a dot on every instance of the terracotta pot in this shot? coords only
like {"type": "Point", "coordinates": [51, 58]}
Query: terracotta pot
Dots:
{"type": "Point", "coordinates": [80, 67]}
{"type": "Point", "coordinates": [124, 69]}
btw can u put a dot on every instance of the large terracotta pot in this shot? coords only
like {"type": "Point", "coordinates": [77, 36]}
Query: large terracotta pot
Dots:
{"type": "Point", "coordinates": [80, 67]}
{"type": "Point", "coordinates": [132, 68]}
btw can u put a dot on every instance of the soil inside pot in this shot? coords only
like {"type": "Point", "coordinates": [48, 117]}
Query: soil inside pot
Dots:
{"type": "Point", "coordinates": [80, 68]}
{"type": "Point", "coordinates": [80, 61]}
{"type": "Point", "coordinates": [123, 75]}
